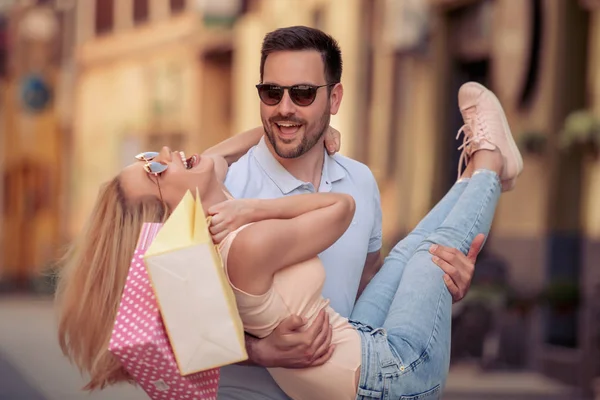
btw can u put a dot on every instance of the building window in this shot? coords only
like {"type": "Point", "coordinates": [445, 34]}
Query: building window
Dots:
{"type": "Point", "coordinates": [250, 6]}
{"type": "Point", "coordinates": [104, 16]}
{"type": "Point", "coordinates": [318, 18]}
{"type": "Point", "coordinates": [174, 140]}
{"type": "Point", "coordinates": [177, 6]}
{"type": "Point", "coordinates": [140, 11]}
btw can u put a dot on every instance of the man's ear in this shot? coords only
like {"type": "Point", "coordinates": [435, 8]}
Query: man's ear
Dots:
{"type": "Point", "coordinates": [335, 99]}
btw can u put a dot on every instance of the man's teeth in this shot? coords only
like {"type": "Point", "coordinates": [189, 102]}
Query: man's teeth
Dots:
{"type": "Point", "coordinates": [288, 125]}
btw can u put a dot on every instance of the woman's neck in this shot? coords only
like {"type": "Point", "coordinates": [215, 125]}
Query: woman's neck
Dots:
{"type": "Point", "coordinates": [214, 194]}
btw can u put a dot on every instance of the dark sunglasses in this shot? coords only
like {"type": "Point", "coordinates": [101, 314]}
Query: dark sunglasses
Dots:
{"type": "Point", "coordinates": [152, 167]}
{"type": "Point", "coordinates": [301, 95]}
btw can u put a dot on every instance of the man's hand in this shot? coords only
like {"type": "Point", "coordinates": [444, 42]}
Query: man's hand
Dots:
{"type": "Point", "coordinates": [332, 141]}
{"type": "Point", "coordinates": [459, 268]}
{"type": "Point", "coordinates": [292, 346]}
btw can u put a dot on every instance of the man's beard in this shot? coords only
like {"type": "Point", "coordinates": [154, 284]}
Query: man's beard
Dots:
{"type": "Point", "coordinates": [308, 141]}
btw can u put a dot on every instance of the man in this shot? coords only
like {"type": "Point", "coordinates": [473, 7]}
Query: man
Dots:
{"type": "Point", "coordinates": [300, 89]}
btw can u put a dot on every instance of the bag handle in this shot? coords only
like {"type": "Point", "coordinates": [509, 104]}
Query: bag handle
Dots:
{"type": "Point", "coordinates": [147, 234]}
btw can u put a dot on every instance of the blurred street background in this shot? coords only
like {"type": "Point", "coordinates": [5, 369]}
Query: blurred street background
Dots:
{"type": "Point", "coordinates": [87, 84]}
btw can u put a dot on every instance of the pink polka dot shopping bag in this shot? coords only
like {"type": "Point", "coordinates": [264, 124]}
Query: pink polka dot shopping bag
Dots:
{"type": "Point", "coordinates": [177, 322]}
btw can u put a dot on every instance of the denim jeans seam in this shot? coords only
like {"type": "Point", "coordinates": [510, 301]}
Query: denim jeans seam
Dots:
{"type": "Point", "coordinates": [425, 353]}
{"type": "Point", "coordinates": [488, 195]}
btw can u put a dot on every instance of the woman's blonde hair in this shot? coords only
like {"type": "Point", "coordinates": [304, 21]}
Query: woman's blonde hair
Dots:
{"type": "Point", "coordinates": [92, 277]}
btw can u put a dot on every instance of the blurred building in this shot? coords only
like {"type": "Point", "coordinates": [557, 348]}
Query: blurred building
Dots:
{"type": "Point", "coordinates": [31, 143]}
{"type": "Point", "coordinates": [540, 57]}
{"type": "Point", "coordinates": [149, 73]}
{"type": "Point", "coordinates": [86, 85]}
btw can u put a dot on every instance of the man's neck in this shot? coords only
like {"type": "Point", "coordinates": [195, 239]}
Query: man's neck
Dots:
{"type": "Point", "coordinates": [308, 167]}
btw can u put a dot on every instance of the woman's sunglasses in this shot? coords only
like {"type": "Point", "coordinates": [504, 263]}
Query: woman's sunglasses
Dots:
{"type": "Point", "coordinates": [301, 95]}
{"type": "Point", "coordinates": [152, 167]}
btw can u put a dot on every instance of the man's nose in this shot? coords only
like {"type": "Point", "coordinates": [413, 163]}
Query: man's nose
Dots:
{"type": "Point", "coordinates": [286, 105]}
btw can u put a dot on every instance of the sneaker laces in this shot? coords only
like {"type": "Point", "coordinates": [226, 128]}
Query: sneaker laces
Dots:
{"type": "Point", "coordinates": [474, 130]}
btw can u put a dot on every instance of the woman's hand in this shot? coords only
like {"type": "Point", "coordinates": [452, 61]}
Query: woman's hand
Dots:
{"type": "Point", "coordinates": [332, 141]}
{"type": "Point", "coordinates": [228, 216]}
{"type": "Point", "coordinates": [459, 268]}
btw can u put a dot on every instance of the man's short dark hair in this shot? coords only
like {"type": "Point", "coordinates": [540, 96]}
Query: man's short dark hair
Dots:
{"type": "Point", "coordinates": [298, 38]}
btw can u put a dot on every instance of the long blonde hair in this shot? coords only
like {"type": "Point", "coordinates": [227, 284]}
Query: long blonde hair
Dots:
{"type": "Point", "coordinates": [92, 277]}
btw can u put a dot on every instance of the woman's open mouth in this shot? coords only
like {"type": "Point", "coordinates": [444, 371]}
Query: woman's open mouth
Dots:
{"type": "Point", "coordinates": [191, 162]}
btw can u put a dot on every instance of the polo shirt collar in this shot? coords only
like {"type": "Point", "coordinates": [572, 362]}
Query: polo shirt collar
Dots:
{"type": "Point", "coordinates": [287, 182]}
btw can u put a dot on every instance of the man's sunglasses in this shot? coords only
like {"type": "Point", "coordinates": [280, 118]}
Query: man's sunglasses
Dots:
{"type": "Point", "coordinates": [301, 95]}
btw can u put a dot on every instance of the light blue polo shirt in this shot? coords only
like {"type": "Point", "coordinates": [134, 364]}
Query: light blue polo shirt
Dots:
{"type": "Point", "coordinates": [259, 175]}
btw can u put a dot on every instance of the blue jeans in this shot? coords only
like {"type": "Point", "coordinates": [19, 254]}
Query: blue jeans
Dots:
{"type": "Point", "coordinates": [404, 314]}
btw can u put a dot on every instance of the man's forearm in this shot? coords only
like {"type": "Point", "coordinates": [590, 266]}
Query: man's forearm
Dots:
{"type": "Point", "coordinates": [373, 264]}
{"type": "Point", "coordinates": [236, 146]}
{"type": "Point", "coordinates": [254, 358]}
{"type": "Point", "coordinates": [364, 281]}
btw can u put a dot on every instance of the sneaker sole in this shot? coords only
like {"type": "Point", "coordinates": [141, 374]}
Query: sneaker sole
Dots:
{"type": "Point", "coordinates": [516, 154]}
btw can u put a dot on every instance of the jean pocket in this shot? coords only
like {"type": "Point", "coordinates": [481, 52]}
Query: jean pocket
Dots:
{"type": "Point", "coordinates": [367, 394]}
{"type": "Point", "coordinates": [433, 393]}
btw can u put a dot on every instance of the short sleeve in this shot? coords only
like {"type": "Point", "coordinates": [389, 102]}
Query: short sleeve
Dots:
{"type": "Point", "coordinates": [375, 241]}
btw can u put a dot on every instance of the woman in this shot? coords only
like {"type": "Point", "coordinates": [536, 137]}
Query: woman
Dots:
{"type": "Point", "coordinates": [397, 342]}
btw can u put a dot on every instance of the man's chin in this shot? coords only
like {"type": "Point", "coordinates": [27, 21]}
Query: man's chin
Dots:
{"type": "Point", "coordinates": [287, 150]}
{"type": "Point", "coordinates": [287, 153]}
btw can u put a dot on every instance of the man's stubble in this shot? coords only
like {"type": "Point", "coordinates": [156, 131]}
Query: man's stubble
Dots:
{"type": "Point", "coordinates": [308, 141]}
